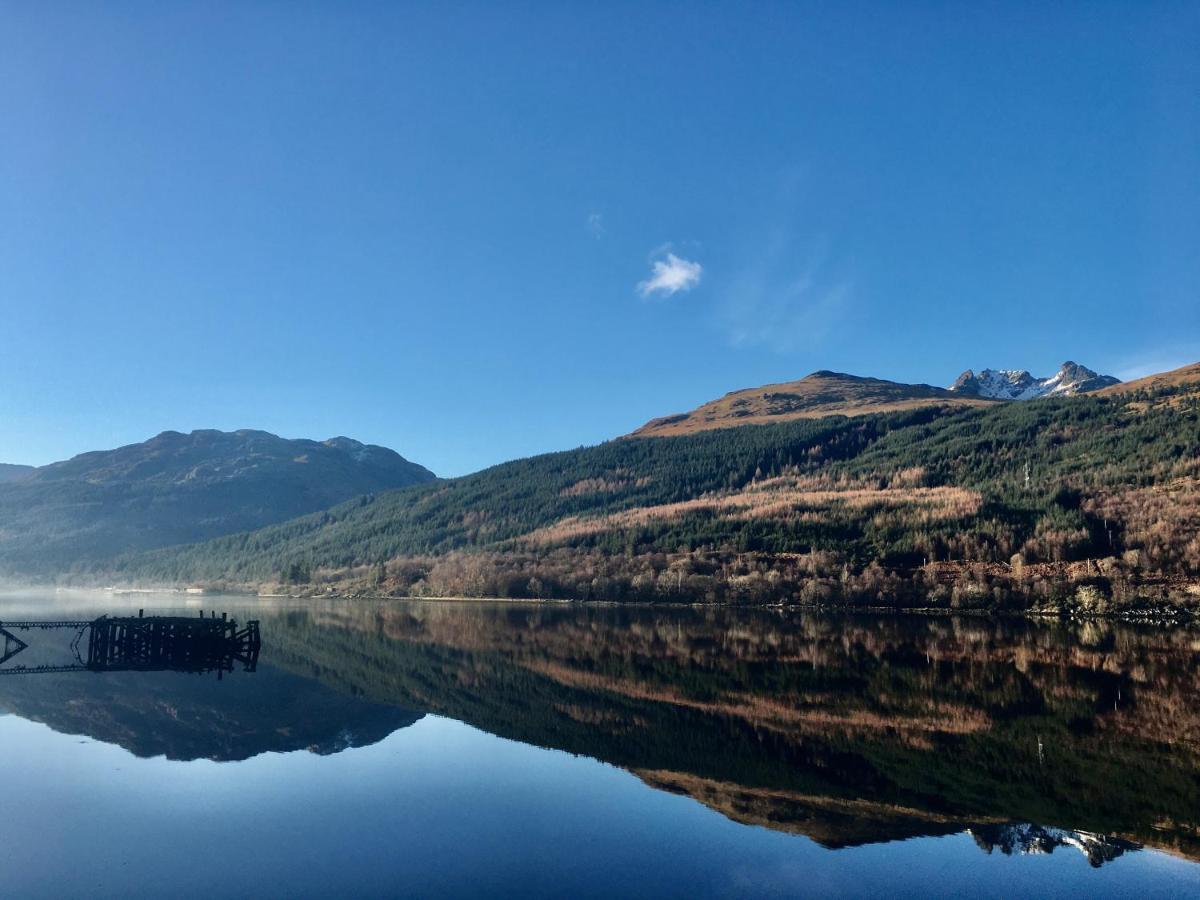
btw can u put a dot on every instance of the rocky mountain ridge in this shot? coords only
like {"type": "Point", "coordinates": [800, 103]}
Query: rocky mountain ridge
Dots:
{"type": "Point", "coordinates": [826, 393]}
{"type": "Point", "coordinates": [1018, 384]}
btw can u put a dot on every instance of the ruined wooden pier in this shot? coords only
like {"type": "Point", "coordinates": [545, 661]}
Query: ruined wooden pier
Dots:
{"type": "Point", "coordinates": [146, 644]}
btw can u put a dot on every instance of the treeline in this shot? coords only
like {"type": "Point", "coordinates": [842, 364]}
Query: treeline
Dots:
{"type": "Point", "coordinates": [1106, 587]}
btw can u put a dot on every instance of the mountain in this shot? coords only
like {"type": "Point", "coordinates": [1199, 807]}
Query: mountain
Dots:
{"type": "Point", "coordinates": [10, 472]}
{"type": "Point", "coordinates": [1011, 384]}
{"type": "Point", "coordinates": [1087, 504]}
{"type": "Point", "coordinates": [820, 394]}
{"type": "Point", "coordinates": [828, 393]}
{"type": "Point", "coordinates": [177, 488]}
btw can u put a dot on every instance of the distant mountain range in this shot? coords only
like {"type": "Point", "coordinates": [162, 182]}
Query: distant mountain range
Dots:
{"type": "Point", "coordinates": [911, 496]}
{"type": "Point", "coordinates": [828, 393]}
{"type": "Point", "coordinates": [1013, 384]}
{"type": "Point", "coordinates": [179, 488]}
{"type": "Point", "coordinates": [847, 490]}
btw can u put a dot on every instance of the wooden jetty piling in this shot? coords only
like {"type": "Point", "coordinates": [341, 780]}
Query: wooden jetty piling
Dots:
{"type": "Point", "coordinates": [150, 644]}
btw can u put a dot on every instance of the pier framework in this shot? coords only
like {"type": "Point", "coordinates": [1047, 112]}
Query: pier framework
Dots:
{"type": "Point", "coordinates": [144, 644]}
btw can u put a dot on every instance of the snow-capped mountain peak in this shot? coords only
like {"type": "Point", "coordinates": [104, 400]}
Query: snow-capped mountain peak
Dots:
{"type": "Point", "coordinates": [1014, 384]}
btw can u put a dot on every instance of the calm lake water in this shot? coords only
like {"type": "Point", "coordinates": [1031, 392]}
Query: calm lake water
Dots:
{"type": "Point", "coordinates": [454, 749]}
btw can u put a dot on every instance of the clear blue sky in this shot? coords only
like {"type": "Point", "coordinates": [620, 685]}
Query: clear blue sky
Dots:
{"type": "Point", "coordinates": [478, 231]}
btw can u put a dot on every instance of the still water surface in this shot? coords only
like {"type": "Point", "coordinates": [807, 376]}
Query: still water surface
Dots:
{"type": "Point", "coordinates": [441, 749]}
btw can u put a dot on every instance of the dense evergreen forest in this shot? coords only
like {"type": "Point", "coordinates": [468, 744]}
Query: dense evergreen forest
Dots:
{"type": "Point", "coordinates": [1090, 500]}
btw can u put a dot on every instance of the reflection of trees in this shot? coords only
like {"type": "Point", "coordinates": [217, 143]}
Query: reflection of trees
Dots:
{"type": "Point", "coordinates": [923, 722]}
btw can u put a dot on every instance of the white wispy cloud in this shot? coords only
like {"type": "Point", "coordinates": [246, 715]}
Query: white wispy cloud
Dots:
{"type": "Point", "coordinates": [595, 225]}
{"type": "Point", "coordinates": [670, 276]}
{"type": "Point", "coordinates": [1162, 360]}
{"type": "Point", "coordinates": [786, 297]}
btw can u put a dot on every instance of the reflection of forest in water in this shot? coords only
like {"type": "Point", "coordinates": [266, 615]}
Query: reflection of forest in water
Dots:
{"type": "Point", "coordinates": [846, 729]}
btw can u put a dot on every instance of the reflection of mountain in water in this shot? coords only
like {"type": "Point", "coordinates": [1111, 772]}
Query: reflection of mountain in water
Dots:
{"type": "Point", "coordinates": [849, 730]}
{"type": "Point", "coordinates": [189, 717]}
{"type": "Point", "coordinates": [1035, 839]}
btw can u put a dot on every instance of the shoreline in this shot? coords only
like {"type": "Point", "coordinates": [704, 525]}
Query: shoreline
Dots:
{"type": "Point", "coordinates": [1158, 614]}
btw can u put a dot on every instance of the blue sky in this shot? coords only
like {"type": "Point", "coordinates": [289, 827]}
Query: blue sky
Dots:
{"type": "Point", "coordinates": [479, 231]}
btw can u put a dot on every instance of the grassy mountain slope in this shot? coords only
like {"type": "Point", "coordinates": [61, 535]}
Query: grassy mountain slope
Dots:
{"type": "Point", "coordinates": [1006, 503]}
{"type": "Point", "coordinates": [819, 394]}
{"type": "Point", "coordinates": [177, 488]}
{"type": "Point", "coordinates": [1185, 379]}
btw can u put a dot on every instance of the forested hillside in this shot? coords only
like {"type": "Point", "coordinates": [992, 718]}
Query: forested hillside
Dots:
{"type": "Point", "coordinates": [10, 472]}
{"type": "Point", "coordinates": [176, 488]}
{"type": "Point", "coordinates": [1089, 500]}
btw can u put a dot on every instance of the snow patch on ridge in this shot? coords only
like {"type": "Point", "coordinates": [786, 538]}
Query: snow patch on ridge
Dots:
{"type": "Point", "coordinates": [1017, 384]}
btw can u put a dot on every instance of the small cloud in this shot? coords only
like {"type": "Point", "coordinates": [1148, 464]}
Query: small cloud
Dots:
{"type": "Point", "coordinates": [670, 276]}
{"type": "Point", "coordinates": [595, 225]}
